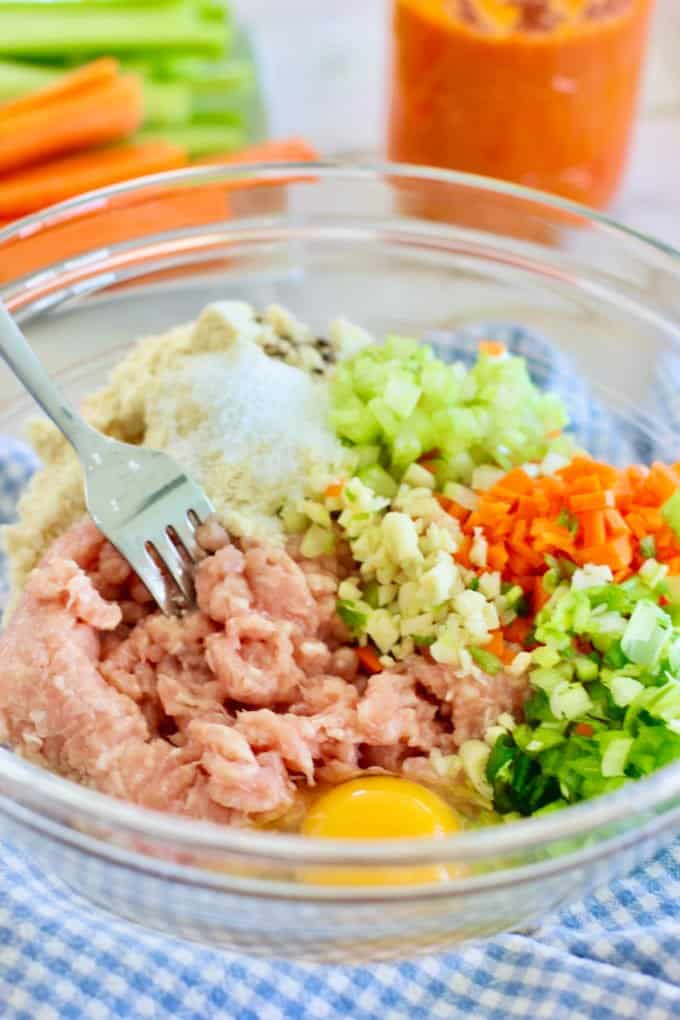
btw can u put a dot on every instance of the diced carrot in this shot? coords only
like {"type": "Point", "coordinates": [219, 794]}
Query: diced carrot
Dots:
{"type": "Point", "coordinates": [652, 516]}
{"type": "Point", "coordinates": [433, 454]}
{"type": "Point", "coordinates": [637, 525]}
{"type": "Point", "coordinates": [577, 467]}
{"type": "Point", "coordinates": [579, 502]}
{"type": "Point", "coordinates": [443, 501]}
{"type": "Point", "coordinates": [540, 595]}
{"type": "Point", "coordinates": [461, 513]}
{"type": "Point", "coordinates": [518, 481]}
{"type": "Point", "coordinates": [517, 631]}
{"type": "Point", "coordinates": [334, 490]}
{"type": "Point", "coordinates": [368, 658]}
{"type": "Point", "coordinates": [492, 348]}
{"type": "Point", "coordinates": [490, 513]}
{"type": "Point", "coordinates": [592, 527]}
{"type": "Point", "coordinates": [616, 553]}
{"type": "Point", "coordinates": [429, 465]}
{"type": "Point", "coordinates": [96, 116]}
{"type": "Point", "coordinates": [497, 557]}
{"type": "Point", "coordinates": [586, 483]}
{"type": "Point", "coordinates": [583, 729]}
{"type": "Point", "coordinates": [663, 481]}
{"type": "Point", "coordinates": [615, 525]}
{"type": "Point", "coordinates": [496, 646]}
{"type": "Point", "coordinates": [33, 188]}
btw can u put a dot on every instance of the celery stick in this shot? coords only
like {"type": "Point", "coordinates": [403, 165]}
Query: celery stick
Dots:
{"type": "Point", "coordinates": [166, 103]}
{"type": "Point", "coordinates": [198, 139]}
{"type": "Point", "coordinates": [206, 75]}
{"type": "Point", "coordinates": [220, 107]}
{"type": "Point", "coordinates": [38, 29]}
{"type": "Point", "coordinates": [16, 79]}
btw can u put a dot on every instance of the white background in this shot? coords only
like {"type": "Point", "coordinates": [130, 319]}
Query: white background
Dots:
{"type": "Point", "coordinates": [324, 65]}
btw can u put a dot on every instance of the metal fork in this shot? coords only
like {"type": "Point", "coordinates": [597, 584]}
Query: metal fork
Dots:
{"type": "Point", "coordinates": [141, 499]}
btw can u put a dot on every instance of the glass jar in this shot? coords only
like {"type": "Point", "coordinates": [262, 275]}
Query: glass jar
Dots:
{"type": "Point", "coordinates": [539, 92]}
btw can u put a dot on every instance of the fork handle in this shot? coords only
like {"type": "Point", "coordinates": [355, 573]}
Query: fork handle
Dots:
{"type": "Point", "coordinates": [30, 371]}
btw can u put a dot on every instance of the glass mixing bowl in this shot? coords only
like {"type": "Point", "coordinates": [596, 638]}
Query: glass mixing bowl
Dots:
{"type": "Point", "coordinates": [393, 248]}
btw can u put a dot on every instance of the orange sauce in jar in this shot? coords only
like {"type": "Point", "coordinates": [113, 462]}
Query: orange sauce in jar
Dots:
{"type": "Point", "coordinates": [540, 92]}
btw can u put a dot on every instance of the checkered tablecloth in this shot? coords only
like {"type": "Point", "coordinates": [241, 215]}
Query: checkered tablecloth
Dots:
{"type": "Point", "coordinates": [613, 956]}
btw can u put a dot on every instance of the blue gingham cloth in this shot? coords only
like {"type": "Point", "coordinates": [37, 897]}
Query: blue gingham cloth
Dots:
{"type": "Point", "coordinates": [613, 956]}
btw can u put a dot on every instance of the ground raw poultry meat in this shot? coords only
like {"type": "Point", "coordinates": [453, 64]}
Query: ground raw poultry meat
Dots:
{"type": "Point", "coordinates": [223, 713]}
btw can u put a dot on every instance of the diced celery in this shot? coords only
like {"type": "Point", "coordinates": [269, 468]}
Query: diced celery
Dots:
{"type": "Point", "coordinates": [569, 701]}
{"type": "Point", "coordinates": [367, 454]}
{"type": "Point", "coordinates": [418, 477]}
{"type": "Point", "coordinates": [474, 755]}
{"type": "Point", "coordinates": [648, 547]}
{"type": "Point", "coordinates": [377, 479]}
{"type": "Point", "coordinates": [624, 689]}
{"type": "Point", "coordinates": [645, 635]}
{"type": "Point", "coordinates": [486, 660]}
{"type": "Point", "coordinates": [545, 657]}
{"type": "Point", "coordinates": [352, 614]}
{"type": "Point", "coordinates": [585, 668]}
{"type": "Point", "coordinates": [653, 573]}
{"type": "Point", "coordinates": [670, 512]}
{"type": "Point", "coordinates": [317, 542]}
{"type": "Point", "coordinates": [615, 748]}
{"type": "Point", "coordinates": [406, 449]}
{"type": "Point", "coordinates": [401, 394]}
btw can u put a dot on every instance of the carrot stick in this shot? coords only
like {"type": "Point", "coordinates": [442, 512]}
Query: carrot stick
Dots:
{"type": "Point", "coordinates": [99, 115]}
{"type": "Point", "coordinates": [94, 229]}
{"type": "Point", "coordinates": [98, 73]}
{"type": "Point", "coordinates": [286, 150]}
{"type": "Point", "coordinates": [31, 189]}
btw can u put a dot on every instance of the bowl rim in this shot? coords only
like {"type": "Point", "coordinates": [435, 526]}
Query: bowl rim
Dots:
{"type": "Point", "coordinates": [57, 213]}
{"type": "Point", "coordinates": [36, 784]}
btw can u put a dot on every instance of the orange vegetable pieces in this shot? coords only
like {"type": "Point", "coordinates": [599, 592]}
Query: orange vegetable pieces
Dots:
{"type": "Point", "coordinates": [592, 527]}
{"type": "Point", "coordinates": [33, 188]}
{"type": "Point", "coordinates": [369, 660]}
{"type": "Point", "coordinates": [492, 348]}
{"type": "Point", "coordinates": [598, 500]}
{"type": "Point", "coordinates": [107, 111]}
{"type": "Point", "coordinates": [334, 490]}
{"type": "Point", "coordinates": [98, 72]}
{"type": "Point", "coordinates": [617, 553]}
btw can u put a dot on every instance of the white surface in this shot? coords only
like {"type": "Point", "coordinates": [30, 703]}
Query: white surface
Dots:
{"type": "Point", "coordinates": [325, 69]}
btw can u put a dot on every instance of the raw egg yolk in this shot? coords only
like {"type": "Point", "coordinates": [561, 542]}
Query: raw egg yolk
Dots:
{"type": "Point", "coordinates": [380, 807]}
